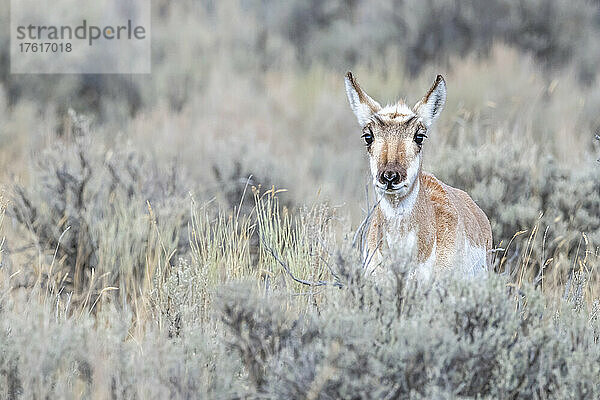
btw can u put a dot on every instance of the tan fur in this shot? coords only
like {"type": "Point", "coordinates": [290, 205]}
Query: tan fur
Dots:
{"type": "Point", "coordinates": [447, 227]}
{"type": "Point", "coordinates": [441, 215]}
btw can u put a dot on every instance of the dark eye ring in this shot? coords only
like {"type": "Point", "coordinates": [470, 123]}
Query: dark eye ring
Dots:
{"type": "Point", "coordinates": [368, 137]}
{"type": "Point", "coordinates": [419, 137]}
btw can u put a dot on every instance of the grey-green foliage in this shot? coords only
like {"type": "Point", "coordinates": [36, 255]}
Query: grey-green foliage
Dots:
{"type": "Point", "coordinates": [452, 339]}
{"type": "Point", "coordinates": [44, 354]}
{"type": "Point", "coordinates": [259, 35]}
{"type": "Point", "coordinates": [575, 200]}
{"type": "Point", "coordinates": [399, 338]}
{"type": "Point", "coordinates": [343, 32]}
{"type": "Point", "coordinates": [87, 207]}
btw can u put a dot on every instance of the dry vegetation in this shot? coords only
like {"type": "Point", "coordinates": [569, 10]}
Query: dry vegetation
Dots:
{"type": "Point", "coordinates": [148, 220]}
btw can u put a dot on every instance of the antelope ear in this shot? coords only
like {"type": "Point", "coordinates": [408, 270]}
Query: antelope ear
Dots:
{"type": "Point", "coordinates": [362, 105]}
{"type": "Point", "coordinates": [431, 106]}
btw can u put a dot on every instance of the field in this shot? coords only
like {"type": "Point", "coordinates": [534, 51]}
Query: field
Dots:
{"type": "Point", "coordinates": [192, 233]}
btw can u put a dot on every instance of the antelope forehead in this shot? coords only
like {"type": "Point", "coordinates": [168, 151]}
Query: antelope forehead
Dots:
{"type": "Point", "coordinates": [397, 113]}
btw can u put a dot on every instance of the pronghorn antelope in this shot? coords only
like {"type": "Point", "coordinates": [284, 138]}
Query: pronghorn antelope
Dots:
{"type": "Point", "coordinates": [442, 226]}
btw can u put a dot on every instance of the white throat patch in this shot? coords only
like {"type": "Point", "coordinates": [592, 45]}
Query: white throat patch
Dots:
{"type": "Point", "coordinates": [396, 210]}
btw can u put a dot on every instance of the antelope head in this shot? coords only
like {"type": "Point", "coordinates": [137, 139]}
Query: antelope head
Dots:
{"type": "Point", "coordinates": [394, 135]}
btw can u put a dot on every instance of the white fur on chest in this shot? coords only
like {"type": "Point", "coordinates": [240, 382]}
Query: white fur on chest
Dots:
{"type": "Point", "coordinates": [404, 244]}
{"type": "Point", "coordinates": [396, 212]}
{"type": "Point", "coordinates": [401, 235]}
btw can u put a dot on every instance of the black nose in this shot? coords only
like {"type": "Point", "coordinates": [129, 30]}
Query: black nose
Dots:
{"type": "Point", "coordinates": [388, 177]}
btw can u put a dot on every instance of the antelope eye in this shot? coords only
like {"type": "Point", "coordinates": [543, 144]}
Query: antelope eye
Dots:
{"type": "Point", "coordinates": [368, 137]}
{"type": "Point", "coordinates": [419, 137]}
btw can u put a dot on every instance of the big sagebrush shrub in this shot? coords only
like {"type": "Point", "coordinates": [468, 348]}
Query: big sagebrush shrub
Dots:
{"type": "Point", "coordinates": [107, 211]}
{"type": "Point", "coordinates": [452, 339]}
